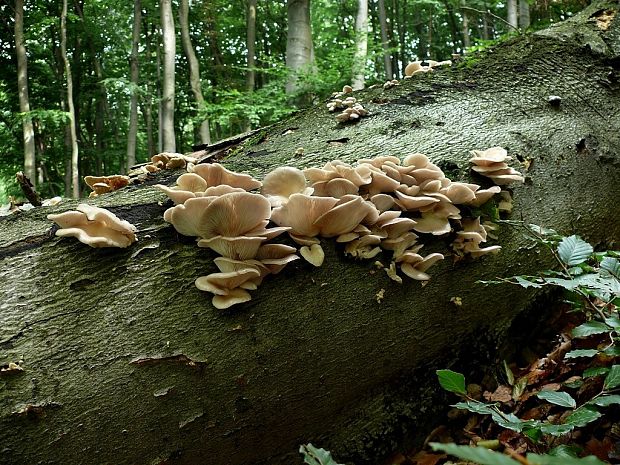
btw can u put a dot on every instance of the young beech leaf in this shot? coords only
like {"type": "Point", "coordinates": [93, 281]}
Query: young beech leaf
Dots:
{"type": "Point", "coordinates": [563, 399]}
{"type": "Point", "coordinates": [611, 266]}
{"type": "Point", "coordinates": [605, 401]}
{"type": "Point", "coordinates": [479, 455]}
{"type": "Point", "coordinates": [594, 371]}
{"type": "Point", "coordinates": [582, 416]}
{"type": "Point", "coordinates": [612, 380]}
{"type": "Point", "coordinates": [452, 381]}
{"type": "Point", "coordinates": [316, 456]}
{"type": "Point", "coordinates": [590, 328]}
{"type": "Point", "coordinates": [581, 353]}
{"type": "Point", "coordinates": [573, 250]}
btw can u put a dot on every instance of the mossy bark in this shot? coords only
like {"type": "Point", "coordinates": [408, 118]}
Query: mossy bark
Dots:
{"type": "Point", "coordinates": [126, 362]}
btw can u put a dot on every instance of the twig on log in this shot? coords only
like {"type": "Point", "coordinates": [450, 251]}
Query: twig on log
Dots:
{"type": "Point", "coordinates": [495, 16]}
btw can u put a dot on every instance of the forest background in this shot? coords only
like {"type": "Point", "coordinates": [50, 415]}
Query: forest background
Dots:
{"type": "Point", "coordinates": [92, 87]}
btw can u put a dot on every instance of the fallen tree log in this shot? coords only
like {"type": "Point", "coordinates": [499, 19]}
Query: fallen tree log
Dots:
{"type": "Point", "coordinates": [123, 361]}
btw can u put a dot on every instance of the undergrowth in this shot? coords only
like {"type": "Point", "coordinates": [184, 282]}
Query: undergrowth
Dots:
{"type": "Point", "coordinates": [561, 408]}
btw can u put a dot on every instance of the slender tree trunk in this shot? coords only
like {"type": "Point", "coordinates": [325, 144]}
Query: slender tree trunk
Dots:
{"type": "Point", "coordinates": [465, 28]}
{"type": "Point", "coordinates": [385, 44]}
{"type": "Point", "coordinates": [194, 69]}
{"type": "Point", "coordinates": [418, 27]}
{"type": "Point", "coordinates": [22, 85]}
{"type": "Point", "coordinates": [299, 48]}
{"type": "Point", "coordinates": [133, 110]}
{"type": "Point", "coordinates": [456, 40]}
{"type": "Point", "coordinates": [167, 98]}
{"type": "Point", "coordinates": [524, 14]}
{"type": "Point", "coordinates": [75, 176]}
{"type": "Point", "coordinates": [146, 103]}
{"type": "Point", "coordinates": [251, 46]}
{"type": "Point", "coordinates": [511, 6]}
{"type": "Point", "coordinates": [361, 48]}
{"type": "Point", "coordinates": [160, 104]}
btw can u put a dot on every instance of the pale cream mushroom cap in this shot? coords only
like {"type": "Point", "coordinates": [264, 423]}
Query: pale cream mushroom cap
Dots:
{"type": "Point", "coordinates": [222, 283]}
{"type": "Point", "coordinates": [94, 226]}
{"type": "Point", "coordinates": [484, 195]}
{"type": "Point", "coordinates": [187, 218]}
{"type": "Point", "coordinates": [217, 191]}
{"type": "Point", "coordinates": [301, 212]}
{"type": "Point", "coordinates": [234, 214]}
{"type": "Point", "coordinates": [413, 67]}
{"type": "Point", "coordinates": [410, 203]}
{"type": "Point", "coordinates": [313, 254]}
{"type": "Point", "coordinates": [383, 202]}
{"type": "Point", "coordinates": [237, 248]}
{"type": "Point", "coordinates": [459, 193]}
{"type": "Point", "coordinates": [344, 217]}
{"type": "Point", "coordinates": [378, 161]}
{"type": "Point", "coordinates": [337, 187]}
{"type": "Point", "coordinates": [431, 223]}
{"type": "Point", "coordinates": [419, 160]}
{"type": "Point", "coordinates": [284, 181]}
{"type": "Point", "coordinates": [177, 196]}
{"type": "Point", "coordinates": [215, 175]}
{"type": "Point", "coordinates": [490, 155]}
{"type": "Point", "coordinates": [234, 297]}
{"type": "Point", "coordinates": [191, 182]}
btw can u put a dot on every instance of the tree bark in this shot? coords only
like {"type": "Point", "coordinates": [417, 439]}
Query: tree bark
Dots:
{"type": "Point", "coordinates": [125, 361]}
{"type": "Point", "coordinates": [361, 45]}
{"type": "Point", "coordinates": [75, 175]}
{"type": "Point", "coordinates": [299, 48]}
{"type": "Point", "coordinates": [194, 69]}
{"type": "Point", "coordinates": [465, 28]}
{"type": "Point", "coordinates": [385, 43]}
{"type": "Point", "coordinates": [134, 73]}
{"type": "Point", "coordinates": [22, 85]}
{"type": "Point", "coordinates": [168, 77]}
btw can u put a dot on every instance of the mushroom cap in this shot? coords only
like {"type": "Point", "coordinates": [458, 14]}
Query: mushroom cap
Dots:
{"type": "Point", "coordinates": [344, 217]}
{"type": "Point", "coordinates": [459, 193]}
{"type": "Point", "coordinates": [94, 226]}
{"type": "Point", "coordinates": [419, 160]}
{"type": "Point", "coordinates": [284, 181]}
{"type": "Point", "coordinates": [337, 187]}
{"type": "Point", "coordinates": [215, 175]}
{"type": "Point", "coordinates": [431, 223]}
{"type": "Point", "coordinates": [313, 254]}
{"type": "Point", "coordinates": [413, 67]}
{"type": "Point", "coordinates": [191, 182]}
{"type": "Point", "coordinates": [301, 212]}
{"type": "Point", "coordinates": [490, 155]}
{"type": "Point", "coordinates": [237, 248]}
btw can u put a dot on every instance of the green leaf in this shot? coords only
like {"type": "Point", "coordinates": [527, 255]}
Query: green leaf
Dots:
{"type": "Point", "coordinates": [452, 381]}
{"type": "Point", "coordinates": [479, 455]}
{"type": "Point", "coordinates": [594, 371]}
{"type": "Point", "coordinates": [612, 380]}
{"type": "Point", "coordinates": [581, 353]}
{"type": "Point", "coordinates": [589, 328]}
{"type": "Point", "coordinates": [315, 456]}
{"type": "Point", "coordinates": [525, 282]}
{"type": "Point", "coordinates": [476, 407]}
{"type": "Point", "coordinates": [573, 250]}
{"type": "Point", "coordinates": [605, 401]}
{"type": "Point", "coordinates": [554, 460]}
{"type": "Point", "coordinates": [556, 430]}
{"type": "Point", "coordinates": [563, 399]}
{"type": "Point", "coordinates": [565, 450]}
{"type": "Point", "coordinates": [613, 321]}
{"type": "Point", "coordinates": [613, 351]}
{"type": "Point", "coordinates": [509, 374]}
{"type": "Point", "coordinates": [582, 416]}
{"type": "Point", "coordinates": [611, 266]}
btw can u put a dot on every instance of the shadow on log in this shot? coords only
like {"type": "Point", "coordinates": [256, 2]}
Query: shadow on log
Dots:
{"type": "Point", "coordinates": [126, 362]}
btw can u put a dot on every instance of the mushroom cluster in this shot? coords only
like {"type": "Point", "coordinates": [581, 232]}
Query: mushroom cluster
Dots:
{"type": "Point", "coordinates": [352, 110]}
{"type": "Point", "coordinates": [377, 205]}
{"type": "Point", "coordinates": [104, 184]}
{"type": "Point", "coordinates": [492, 164]}
{"type": "Point", "coordinates": [416, 67]}
{"type": "Point", "coordinates": [94, 226]}
{"type": "Point", "coordinates": [390, 84]}
{"type": "Point", "coordinates": [168, 161]}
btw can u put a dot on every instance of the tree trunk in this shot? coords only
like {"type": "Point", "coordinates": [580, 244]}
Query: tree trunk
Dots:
{"type": "Point", "coordinates": [511, 6]}
{"type": "Point", "coordinates": [361, 45]}
{"type": "Point", "coordinates": [22, 85]}
{"type": "Point", "coordinates": [126, 362]}
{"type": "Point", "coordinates": [385, 43]}
{"type": "Point", "coordinates": [524, 14]}
{"type": "Point", "coordinates": [299, 48]}
{"type": "Point", "coordinates": [75, 175]}
{"type": "Point", "coordinates": [133, 106]}
{"type": "Point", "coordinates": [251, 45]}
{"type": "Point", "coordinates": [465, 28]}
{"type": "Point", "coordinates": [167, 97]}
{"type": "Point", "coordinates": [194, 69]}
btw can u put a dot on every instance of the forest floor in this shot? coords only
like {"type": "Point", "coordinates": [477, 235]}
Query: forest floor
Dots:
{"type": "Point", "coordinates": [540, 365]}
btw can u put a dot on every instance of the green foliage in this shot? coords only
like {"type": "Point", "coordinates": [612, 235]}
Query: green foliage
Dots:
{"type": "Point", "coordinates": [316, 456]}
{"type": "Point", "coordinates": [452, 381]}
{"type": "Point", "coordinates": [480, 455]}
{"type": "Point", "coordinates": [563, 399]}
